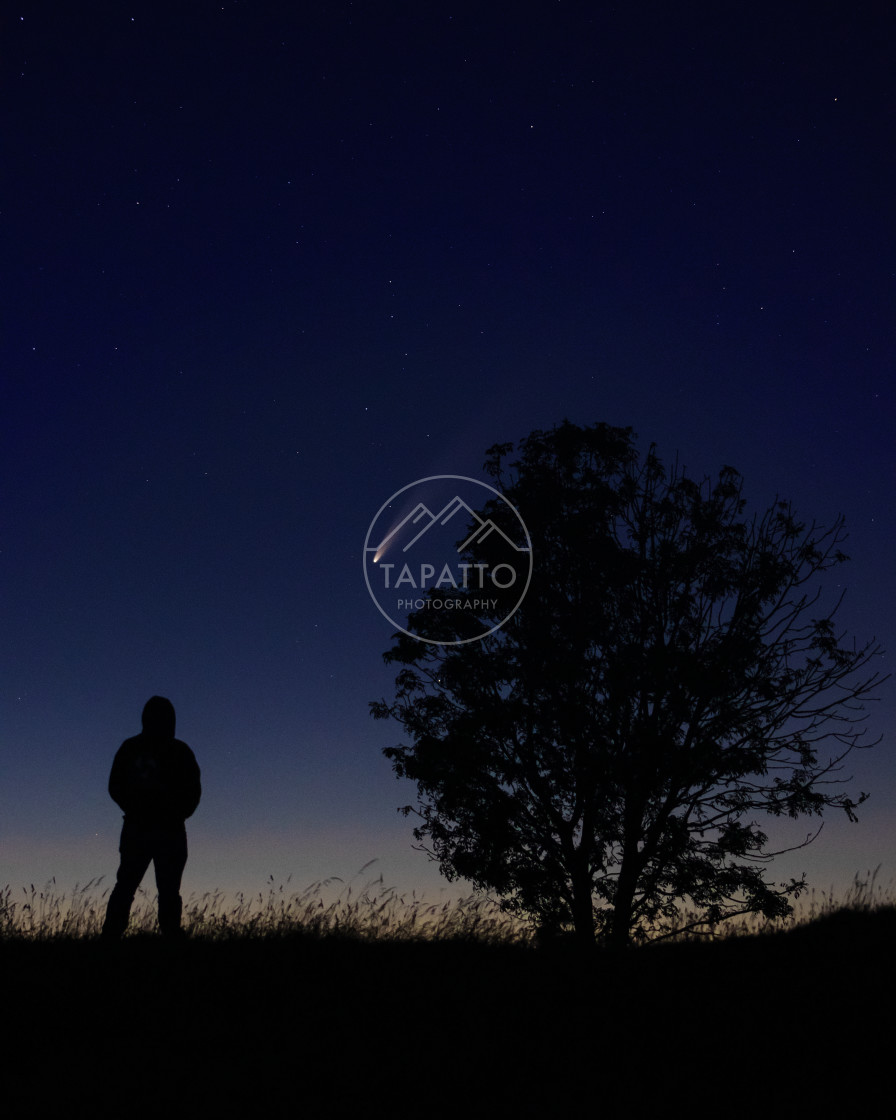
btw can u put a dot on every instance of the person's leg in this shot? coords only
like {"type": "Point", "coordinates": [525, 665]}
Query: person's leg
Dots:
{"type": "Point", "coordinates": [170, 858]}
{"type": "Point", "coordinates": [136, 854]}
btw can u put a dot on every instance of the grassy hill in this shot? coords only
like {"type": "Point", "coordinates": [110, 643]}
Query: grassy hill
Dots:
{"type": "Point", "coordinates": [755, 1024]}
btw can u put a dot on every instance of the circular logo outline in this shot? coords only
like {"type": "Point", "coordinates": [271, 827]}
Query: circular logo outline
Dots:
{"type": "Point", "coordinates": [368, 548]}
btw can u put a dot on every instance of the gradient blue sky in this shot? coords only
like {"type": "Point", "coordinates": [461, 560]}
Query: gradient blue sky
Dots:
{"type": "Point", "coordinates": [265, 264]}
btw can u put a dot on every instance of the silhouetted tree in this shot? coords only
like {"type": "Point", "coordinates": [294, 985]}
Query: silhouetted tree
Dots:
{"type": "Point", "coordinates": [668, 678]}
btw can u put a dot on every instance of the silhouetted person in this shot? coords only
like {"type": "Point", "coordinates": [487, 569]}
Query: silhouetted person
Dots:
{"type": "Point", "coordinates": [155, 780]}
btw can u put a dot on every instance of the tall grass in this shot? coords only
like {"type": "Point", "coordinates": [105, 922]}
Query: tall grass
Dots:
{"type": "Point", "coordinates": [865, 895]}
{"type": "Point", "coordinates": [332, 908]}
{"type": "Point", "coordinates": [373, 912]}
{"type": "Point", "coordinates": [49, 913]}
{"type": "Point", "coordinates": [328, 908]}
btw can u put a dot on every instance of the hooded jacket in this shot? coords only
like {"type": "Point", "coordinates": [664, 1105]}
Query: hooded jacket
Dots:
{"type": "Point", "coordinates": [155, 777]}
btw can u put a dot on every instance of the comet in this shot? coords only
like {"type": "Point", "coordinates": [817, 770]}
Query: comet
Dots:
{"type": "Point", "coordinates": [419, 511]}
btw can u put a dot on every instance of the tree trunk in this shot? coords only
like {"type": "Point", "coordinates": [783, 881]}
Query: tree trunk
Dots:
{"type": "Point", "coordinates": [620, 926]}
{"type": "Point", "coordinates": [623, 904]}
{"type": "Point", "coordinates": [583, 904]}
{"type": "Point", "coordinates": [583, 916]}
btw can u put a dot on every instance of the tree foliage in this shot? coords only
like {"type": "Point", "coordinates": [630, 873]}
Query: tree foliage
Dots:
{"type": "Point", "coordinates": [669, 682]}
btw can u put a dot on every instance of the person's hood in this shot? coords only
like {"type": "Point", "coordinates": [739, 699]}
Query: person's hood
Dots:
{"type": "Point", "coordinates": [159, 718]}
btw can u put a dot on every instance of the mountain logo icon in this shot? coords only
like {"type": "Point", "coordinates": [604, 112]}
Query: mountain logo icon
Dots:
{"type": "Point", "coordinates": [422, 520]}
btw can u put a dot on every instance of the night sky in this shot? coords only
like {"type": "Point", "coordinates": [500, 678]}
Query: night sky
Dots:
{"type": "Point", "coordinates": [265, 264]}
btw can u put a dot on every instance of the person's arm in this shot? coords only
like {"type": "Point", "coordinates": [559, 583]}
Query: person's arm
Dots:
{"type": "Point", "coordinates": [118, 790]}
{"type": "Point", "coordinates": [191, 787]}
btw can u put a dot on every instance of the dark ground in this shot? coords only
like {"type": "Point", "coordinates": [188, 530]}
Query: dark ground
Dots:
{"type": "Point", "coordinates": [745, 1027]}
